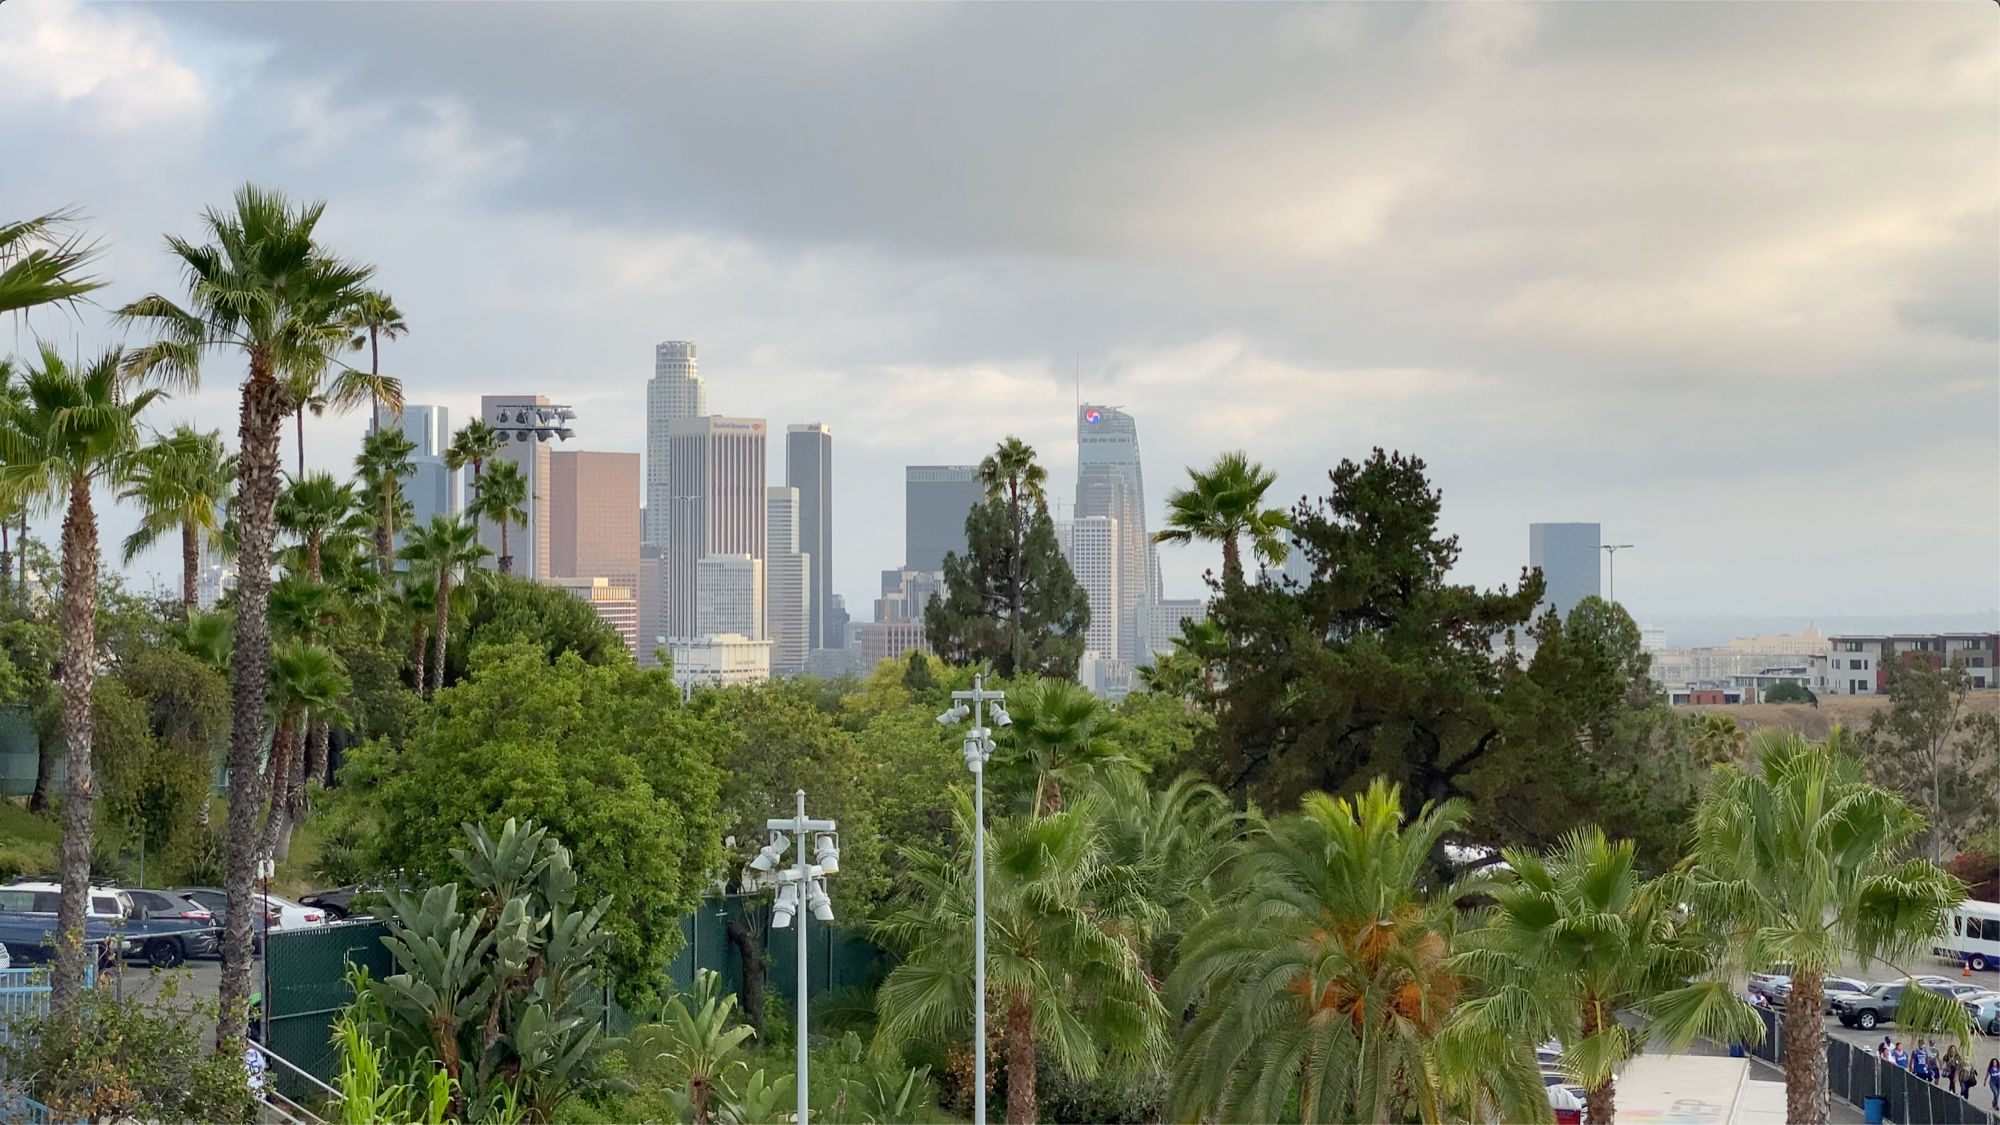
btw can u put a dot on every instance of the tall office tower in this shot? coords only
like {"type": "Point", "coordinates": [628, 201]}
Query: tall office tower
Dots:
{"type": "Point", "coordinates": [594, 516]}
{"type": "Point", "coordinates": [1091, 545]}
{"type": "Point", "coordinates": [714, 505]}
{"type": "Point", "coordinates": [675, 391]}
{"type": "Point", "coordinates": [652, 606]}
{"type": "Point", "coordinates": [809, 468]}
{"type": "Point", "coordinates": [1108, 484]}
{"type": "Point", "coordinates": [788, 592]}
{"type": "Point", "coordinates": [837, 624]}
{"type": "Point", "coordinates": [432, 489]}
{"type": "Point", "coordinates": [732, 596]}
{"type": "Point", "coordinates": [1568, 555]}
{"type": "Point", "coordinates": [936, 500]}
{"type": "Point", "coordinates": [527, 423]}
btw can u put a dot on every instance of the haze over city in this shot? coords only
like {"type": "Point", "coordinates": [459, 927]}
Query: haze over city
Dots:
{"type": "Point", "coordinates": [1565, 253]}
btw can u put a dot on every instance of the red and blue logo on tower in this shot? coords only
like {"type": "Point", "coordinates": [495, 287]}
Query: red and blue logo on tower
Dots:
{"type": "Point", "coordinates": [1092, 417]}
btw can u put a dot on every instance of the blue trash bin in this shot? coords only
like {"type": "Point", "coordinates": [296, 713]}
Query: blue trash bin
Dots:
{"type": "Point", "coordinates": [1874, 1108]}
{"type": "Point", "coordinates": [1737, 1050]}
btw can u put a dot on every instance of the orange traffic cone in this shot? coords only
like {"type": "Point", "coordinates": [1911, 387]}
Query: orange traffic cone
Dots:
{"type": "Point", "coordinates": [1968, 968]}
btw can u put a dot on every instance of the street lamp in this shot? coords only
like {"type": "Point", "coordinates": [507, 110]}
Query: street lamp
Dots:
{"type": "Point", "coordinates": [1611, 559]}
{"type": "Point", "coordinates": [978, 748]}
{"type": "Point", "coordinates": [801, 885]}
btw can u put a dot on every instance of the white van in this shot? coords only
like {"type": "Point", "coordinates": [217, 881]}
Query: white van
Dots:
{"type": "Point", "coordinates": [1972, 935]}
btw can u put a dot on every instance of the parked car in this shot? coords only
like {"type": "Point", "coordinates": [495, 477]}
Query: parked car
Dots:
{"type": "Point", "coordinates": [1566, 1105]}
{"type": "Point", "coordinates": [279, 913]}
{"type": "Point", "coordinates": [1984, 1008]}
{"type": "Point", "coordinates": [340, 903]}
{"type": "Point", "coordinates": [203, 937]}
{"type": "Point", "coordinates": [1878, 1005]}
{"type": "Point", "coordinates": [1776, 989]}
{"type": "Point", "coordinates": [107, 903]}
{"type": "Point", "coordinates": [110, 915]}
{"type": "Point", "coordinates": [1951, 986]}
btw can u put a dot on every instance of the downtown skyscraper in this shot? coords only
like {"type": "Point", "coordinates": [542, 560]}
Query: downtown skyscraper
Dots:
{"type": "Point", "coordinates": [789, 612]}
{"type": "Point", "coordinates": [713, 503]}
{"type": "Point", "coordinates": [809, 469]}
{"type": "Point", "coordinates": [1109, 484]}
{"type": "Point", "coordinates": [675, 391]}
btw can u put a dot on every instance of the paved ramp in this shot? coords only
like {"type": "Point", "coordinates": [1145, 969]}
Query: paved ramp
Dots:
{"type": "Point", "coordinates": [1686, 1090]}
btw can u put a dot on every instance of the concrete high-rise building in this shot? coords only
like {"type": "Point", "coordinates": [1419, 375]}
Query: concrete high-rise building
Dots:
{"type": "Point", "coordinates": [713, 504]}
{"type": "Point", "coordinates": [594, 516]}
{"type": "Point", "coordinates": [528, 423]}
{"type": "Point", "coordinates": [936, 500]}
{"type": "Point", "coordinates": [675, 391]}
{"type": "Point", "coordinates": [1091, 545]}
{"type": "Point", "coordinates": [1569, 555]}
{"type": "Point", "coordinates": [433, 487]}
{"type": "Point", "coordinates": [1167, 618]}
{"type": "Point", "coordinates": [788, 604]}
{"type": "Point", "coordinates": [809, 469]}
{"type": "Point", "coordinates": [1109, 483]}
{"type": "Point", "coordinates": [732, 596]}
{"type": "Point", "coordinates": [889, 640]}
{"type": "Point", "coordinates": [909, 596]}
{"type": "Point", "coordinates": [616, 605]}
{"type": "Point", "coordinates": [651, 592]}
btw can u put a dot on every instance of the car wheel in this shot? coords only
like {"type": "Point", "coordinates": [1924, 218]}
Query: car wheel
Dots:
{"type": "Point", "coordinates": [165, 953]}
{"type": "Point", "coordinates": [1979, 963]}
{"type": "Point", "coordinates": [1867, 1020]}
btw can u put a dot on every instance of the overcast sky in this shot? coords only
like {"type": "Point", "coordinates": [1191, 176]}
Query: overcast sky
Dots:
{"type": "Point", "coordinates": [1721, 277]}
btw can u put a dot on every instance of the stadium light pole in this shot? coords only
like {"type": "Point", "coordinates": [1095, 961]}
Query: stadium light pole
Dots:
{"type": "Point", "coordinates": [801, 887]}
{"type": "Point", "coordinates": [978, 748]}
{"type": "Point", "coordinates": [1611, 559]}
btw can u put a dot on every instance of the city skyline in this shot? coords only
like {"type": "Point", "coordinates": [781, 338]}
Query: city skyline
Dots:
{"type": "Point", "coordinates": [1435, 273]}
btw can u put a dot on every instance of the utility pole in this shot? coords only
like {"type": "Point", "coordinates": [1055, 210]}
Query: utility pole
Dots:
{"type": "Point", "coordinates": [1611, 562]}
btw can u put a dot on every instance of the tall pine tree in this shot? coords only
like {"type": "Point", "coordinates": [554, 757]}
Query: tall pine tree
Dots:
{"type": "Point", "coordinates": [1010, 600]}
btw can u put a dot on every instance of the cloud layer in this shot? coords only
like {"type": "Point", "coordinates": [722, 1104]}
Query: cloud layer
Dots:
{"type": "Point", "coordinates": [1720, 276]}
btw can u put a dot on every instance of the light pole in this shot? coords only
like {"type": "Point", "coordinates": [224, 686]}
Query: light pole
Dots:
{"type": "Point", "coordinates": [978, 748]}
{"type": "Point", "coordinates": [803, 885]}
{"type": "Point", "coordinates": [1611, 560]}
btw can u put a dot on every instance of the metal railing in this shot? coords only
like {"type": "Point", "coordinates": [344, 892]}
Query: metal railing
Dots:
{"type": "Point", "coordinates": [1856, 1074]}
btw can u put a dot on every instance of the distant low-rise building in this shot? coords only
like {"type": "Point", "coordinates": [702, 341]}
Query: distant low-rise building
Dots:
{"type": "Point", "coordinates": [1861, 664]}
{"type": "Point", "coordinates": [720, 660]}
{"type": "Point", "coordinates": [889, 640]}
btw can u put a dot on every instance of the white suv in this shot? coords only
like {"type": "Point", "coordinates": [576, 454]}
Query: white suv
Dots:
{"type": "Point", "coordinates": [106, 904]}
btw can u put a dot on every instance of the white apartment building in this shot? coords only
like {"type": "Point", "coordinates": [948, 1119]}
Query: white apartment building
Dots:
{"type": "Point", "coordinates": [1091, 546]}
{"type": "Point", "coordinates": [1860, 663]}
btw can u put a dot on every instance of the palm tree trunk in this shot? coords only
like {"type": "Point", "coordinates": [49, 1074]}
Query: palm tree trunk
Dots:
{"type": "Point", "coordinates": [1805, 1051]}
{"type": "Point", "coordinates": [1022, 1106]}
{"type": "Point", "coordinates": [190, 568]}
{"type": "Point", "coordinates": [79, 654]}
{"type": "Point", "coordinates": [261, 418]}
{"type": "Point", "coordinates": [48, 753]}
{"type": "Point", "coordinates": [385, 530]}
{"type": "Point", "coordinates": [317, 754]}
{"type": "Point", "coordinates": [279, 786]}
{"type": "Point", "coordinates": [506, 560]}
{"type": "Point", "coordinates": [312, 555]}
{"type": "Point", "coordinates": [292, 799]}
{"type": "Point", "coordinates": [1014, 596]}
{"type": "Point", "coordinates": [6, 558]}
{"type": "Point", "coordinates": [440, 628]}
{"type": "Point", "coordinates": [1232, 563]}
{"type": "Point", "coordinates": [1599, 1103]}
{"type": "Point", "coordinates": [375, 373]}
{"type": "Point", "coordinates": [417, 656]}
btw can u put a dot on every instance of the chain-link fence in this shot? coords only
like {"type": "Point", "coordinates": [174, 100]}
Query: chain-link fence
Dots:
{"type": "Point", "coordinates": [1856, 1074]}
{"type": "Point", "coordinates": [305, 990]}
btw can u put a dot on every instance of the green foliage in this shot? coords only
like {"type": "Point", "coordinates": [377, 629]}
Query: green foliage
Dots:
{"type": "Point", "coordinates": [129, 1060]}
{"type": "Point", "coordinates": [504, 993]}
{"type": "Point", "coordinates": [1010, 601]}
{"type": "Point", "coordinates": [1062, 734]}
{"type": "Point", "coordinates": [695, 1056]}
{"type": "Point", "coordinates": [1929, 748]}
{"type": "Point", "coordinates": [516, 610]}
{"type": "Point", "coordinates": [421, 1094]}
{"type": "Point", "coordinates": [1787, 692]}
{"type": "Point", "coordinates": [1223, 504]}
{"type": "Point", "coordinates": [148, 788]}
{"type": "Point", "coordinates": [605, 757]}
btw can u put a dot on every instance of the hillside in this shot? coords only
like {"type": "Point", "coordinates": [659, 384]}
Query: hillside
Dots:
{"type": "Point", "coordinates": [1814, 722]}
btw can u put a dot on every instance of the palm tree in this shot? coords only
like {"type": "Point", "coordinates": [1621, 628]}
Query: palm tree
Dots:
{"type": "Point", "coordinates": [1061, 732]}
{"type": "Point", "coordinates": [1716, 739]}
{"type": "Point", "coordinates": [1802, 861]}
{"type": "Point", "coordinates": [181, 482]}
{"type": "Point", "coordinates": [1223, 505]}
{"type": "Point", "coordinates": [265, 287]}
{"type": "Point", "coordinates": [1574, 939]}
{"type": "Point", "coordinates": [75, 428]}
{"type": "Point", "coordinates": [41, 266]}
{"type": "Point", "coordinates": [383, 463]}
{"type": "Point", "coordinates": [503, 498]}
{"type": "Point", "coordinates": [1011, 473]}
{"type": "Point", "coordinates": [416, 603]}
{"type": "Point", "coordinates": [1324, 976]}
{"type": "Point", "coordinates": [472, 446]}
{"type": "Point", "coordinates": [308, 682]}
{"type": "Point", "coordinates": [448, 550]}
{"type": "Point", "coordinates": [312, 507]}
{"type": "Point", "coordinates": [1060, 971]}
{"type": "Point", "coordinates": [373, 319]}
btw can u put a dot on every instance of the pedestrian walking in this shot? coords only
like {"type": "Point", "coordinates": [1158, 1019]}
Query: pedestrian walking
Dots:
{"type": "Point", "coordinates": [1966, 1078]}
{"type": "Point", "coordinates": [1993, 1080]}
{"type": "Point", "coordinates": [1900, 1057]}
{"type": "Point", "coordinates": [254, 1067]}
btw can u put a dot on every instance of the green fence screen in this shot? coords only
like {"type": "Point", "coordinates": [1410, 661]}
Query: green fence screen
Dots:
{"type": "Point", "coordinates": [306, 989]}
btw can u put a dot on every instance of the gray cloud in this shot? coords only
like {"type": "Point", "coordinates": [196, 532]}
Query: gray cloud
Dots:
{"type": "Point", "coordinates": [1721, 276]}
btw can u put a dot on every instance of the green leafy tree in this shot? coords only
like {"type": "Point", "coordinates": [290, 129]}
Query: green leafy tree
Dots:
{"type": "Point", "coordinates": [1225, 504]}
{"type": "Point", "coordinates": [264, 287]}
{"type": "Point", "coordinates": [34, 651]}
{"type": "Point", "coordinates": [1787, 691]}
{"type": "Point", "coordinates": [373, 318]}
{"type": "Point", "coordinates": [73, 430]}
{"type": "Point", "coordinates": [472, 446]}
{"type": "Point", "coordinates": [1928, 747]}
{"type": "Point", "coordinates": [1800, 860]}
{"type": "Point", "coordinates": [1574, 939]}
{"type": "Point", "coordinates": [1323, 983]}
{"type": "Point", "coordinates": [181, 482]}
{"type": "Point", "coordinates": [503, 992]}
{"type": "Point", "coordinates": [382, 464]}
{"type": "Point", "coordinates": [503, 498]}
{"type": "Point", "coordinates": [512, 609]}
{"type": "Point", "coordinates": [1010, 601]}
{"type": "Point", "coordinates": [448, 552]}
{"type": "Point", "coordinates": [308, 683]}
{"type": "Point", "coordinates": [601, 756]}
{"type": "Point", "coordinates": [1062, 974]}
